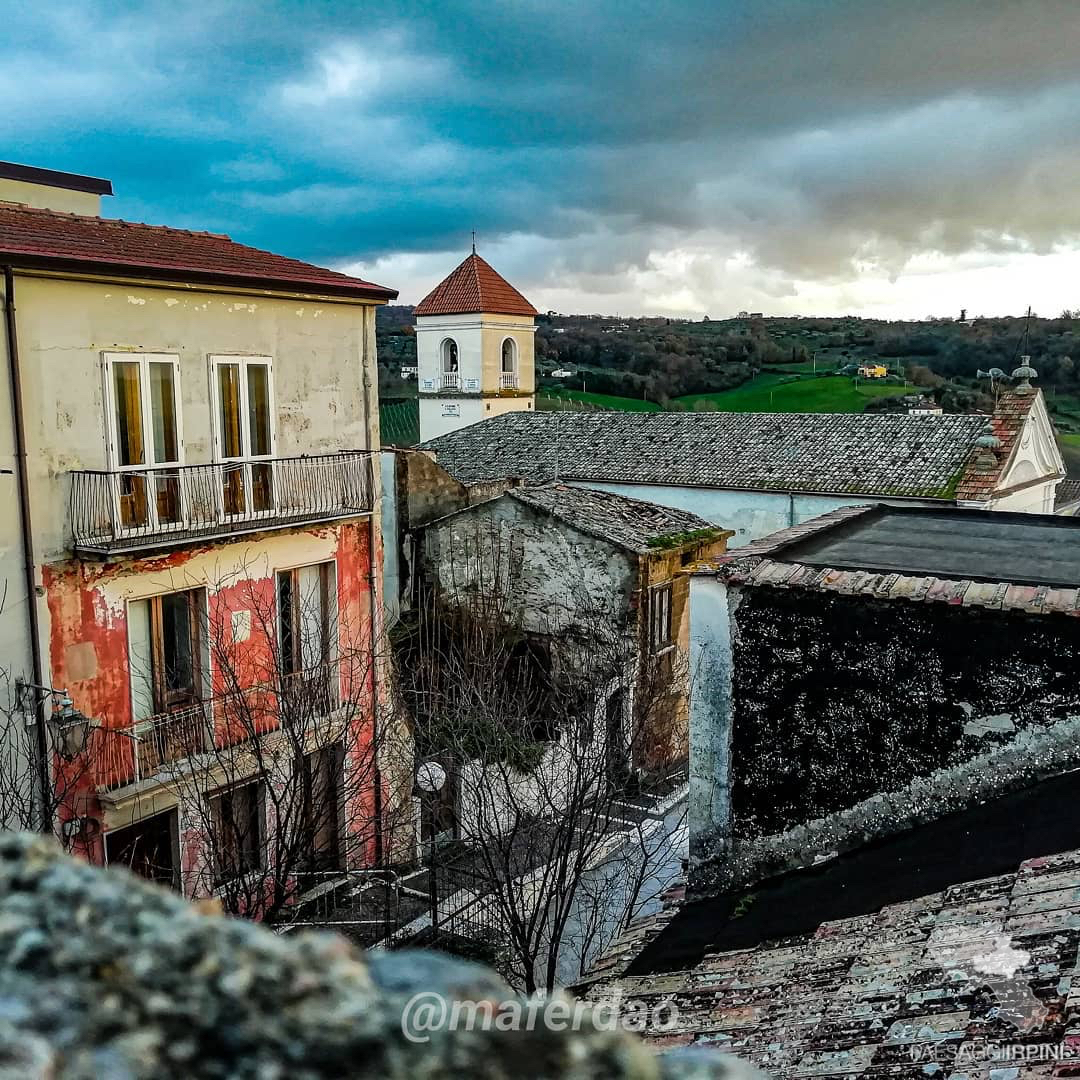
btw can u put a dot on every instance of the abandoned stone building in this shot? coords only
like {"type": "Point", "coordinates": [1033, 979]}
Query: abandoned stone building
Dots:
{"type": "Point", "coordinates": [755, 473]}
{"type": "Point", "coordinates": [562, 556]}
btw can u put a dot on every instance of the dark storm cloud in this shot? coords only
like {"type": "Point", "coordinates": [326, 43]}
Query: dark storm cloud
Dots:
{"type": "Point", "coordinates": [813, 139]}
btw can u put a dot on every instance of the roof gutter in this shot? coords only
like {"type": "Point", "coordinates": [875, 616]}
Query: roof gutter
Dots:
{"type": "Point", "coordinates": [29, 562]}
{"type": "Point", "coordinates": [179, 277]}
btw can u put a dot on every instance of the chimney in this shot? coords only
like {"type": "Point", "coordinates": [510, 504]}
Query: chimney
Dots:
{"type": "Point", "coordinates": [49, 189]}
{"type": "Point", "coordinates": [987, 445]}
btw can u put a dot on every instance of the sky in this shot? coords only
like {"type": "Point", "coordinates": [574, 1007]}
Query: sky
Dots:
{"type": "Point", "coordinates": [889, 158]}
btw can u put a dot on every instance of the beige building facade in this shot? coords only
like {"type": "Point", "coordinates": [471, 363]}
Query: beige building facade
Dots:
{"type": "Point", "coordinates": [187, 455]}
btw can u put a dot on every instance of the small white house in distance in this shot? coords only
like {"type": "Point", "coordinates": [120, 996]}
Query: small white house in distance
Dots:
{"type": "Point", "coordinates": [561, 373]}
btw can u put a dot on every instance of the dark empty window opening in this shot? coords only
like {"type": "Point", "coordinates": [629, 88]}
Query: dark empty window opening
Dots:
{"type": "Point", "coordinates": [322, 777]}
{"type": "Point", "coordinates": [450, 355]}
{"type": "Point", "coordinates": [237, 815]}
{"type": "Point", "coordinates": [149, 848]}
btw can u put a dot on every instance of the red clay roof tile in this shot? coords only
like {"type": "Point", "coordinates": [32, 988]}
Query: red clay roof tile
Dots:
{"type": "Point", "coordinates": [1008, 423]}
{"type": "Point", "coordinates": [474, 288]}
{"type": "Point", "coordinates": [34, 237]}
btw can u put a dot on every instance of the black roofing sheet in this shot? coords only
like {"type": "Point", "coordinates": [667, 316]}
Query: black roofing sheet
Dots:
{"type": "Point", "coordinates": [1025, 549]}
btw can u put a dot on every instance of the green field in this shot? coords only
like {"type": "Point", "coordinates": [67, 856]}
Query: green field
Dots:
{"type": "Point", "coordinates": [399, 423]}
{"type": "Point", "coordinates": [775, 393]}
{"type": "Point", "coordinates": [551, 399]}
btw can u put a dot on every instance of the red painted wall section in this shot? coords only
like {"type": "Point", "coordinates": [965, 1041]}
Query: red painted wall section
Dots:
{"type": "Point", "coordinates": [88, 656]}
{"type": "Point", "coordinates": [355, 637]}
{"type": "Point", "coordinates": [237, 666]}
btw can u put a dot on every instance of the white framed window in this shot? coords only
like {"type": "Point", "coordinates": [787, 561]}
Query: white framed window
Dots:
{"type": "Point", "coordinates": [307, 609]}
{"type": "Point", "coordinates": [167, 652]}
{"type": "Point", "coordinates": [169, 673]}
{"type": "Point", "coordinates": [508, 375]}
{"type": "Point", "coordinates": [144, 440]}
{"type": "Point", "coordinates": [242, 396]}
{"type": "Point", "coordinates": [307, 616]}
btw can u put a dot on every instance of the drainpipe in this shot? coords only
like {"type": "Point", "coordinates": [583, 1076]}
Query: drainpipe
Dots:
{"type": "Point", "coordinates": [371, 410]}
{"type": "Point", "coordinates": [376, 622]}
{"type": "Point", "coordinates": [27, 543]}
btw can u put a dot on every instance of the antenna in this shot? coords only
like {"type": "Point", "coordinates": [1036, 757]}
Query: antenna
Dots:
{"type": "Point", "coordinates": [1023, 338]}
{"type": "Point", "coordinates": [474, 241]}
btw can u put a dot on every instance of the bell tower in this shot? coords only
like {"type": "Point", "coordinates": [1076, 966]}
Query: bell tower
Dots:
{"type": "Point", "coordinates": [474, 349]}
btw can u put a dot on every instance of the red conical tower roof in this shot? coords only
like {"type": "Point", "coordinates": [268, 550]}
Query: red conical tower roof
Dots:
{"type": "Point", "coordinates": [474, 288]}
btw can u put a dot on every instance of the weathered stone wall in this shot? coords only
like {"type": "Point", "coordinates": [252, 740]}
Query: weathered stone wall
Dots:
{"type": "Point", "coordinates": [102, 975]}
{"type": "Point", "coordinates": [838, 698]}
{"type": "Point", "coordinates": [551, 574]}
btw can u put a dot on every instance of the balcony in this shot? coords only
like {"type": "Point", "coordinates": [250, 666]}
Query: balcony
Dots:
{"type": "Point", "coordinates": [125, 756]}
{"type": "Point", "coordinates": [216, 730]}
{"type": "Point", "coordinates": [138, 509]}
{"type": "Point", "coordinates": [508, 380]}
{"type": "Point", "coordinates": [451, 380]}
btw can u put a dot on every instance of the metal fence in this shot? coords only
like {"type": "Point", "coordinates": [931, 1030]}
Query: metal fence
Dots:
{"type": "Point", "coordinates": [364, 905]}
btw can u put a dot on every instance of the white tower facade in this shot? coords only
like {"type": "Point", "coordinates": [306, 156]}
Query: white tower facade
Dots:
{"type": "Point", "coordinates": [474, 350]}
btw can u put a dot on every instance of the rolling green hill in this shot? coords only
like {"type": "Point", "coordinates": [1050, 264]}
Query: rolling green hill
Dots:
{"type": "Point", "coordinates": [768, 392]}
{"type": "Point", "coordinates": [779, 393]}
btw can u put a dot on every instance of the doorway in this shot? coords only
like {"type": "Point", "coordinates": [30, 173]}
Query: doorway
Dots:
{"type": "Point", "coordinates": [149, 848]}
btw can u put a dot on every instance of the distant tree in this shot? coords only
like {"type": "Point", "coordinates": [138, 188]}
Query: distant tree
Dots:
{"type": "Point", "coordinates": [921, 375]}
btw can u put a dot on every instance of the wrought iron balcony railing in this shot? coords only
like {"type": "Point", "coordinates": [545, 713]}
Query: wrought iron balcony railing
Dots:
{"type": "Point", "coordinates": [129, 509]}
{"type": "Point", "coordinates": [218, 726]}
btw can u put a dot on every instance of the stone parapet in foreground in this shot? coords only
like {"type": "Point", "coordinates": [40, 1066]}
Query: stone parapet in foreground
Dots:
{"type": "Point", "coordinates": [104, 975]}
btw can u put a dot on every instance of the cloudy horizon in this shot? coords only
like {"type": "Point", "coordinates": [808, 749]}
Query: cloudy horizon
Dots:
{"type": "Point", "coordinates": [890, 159]}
